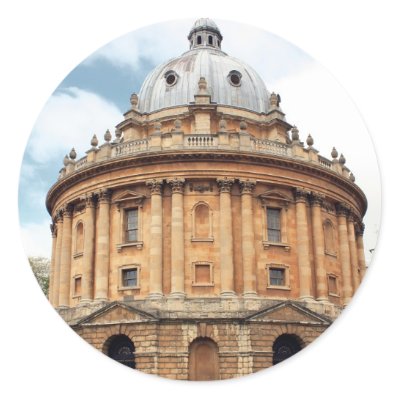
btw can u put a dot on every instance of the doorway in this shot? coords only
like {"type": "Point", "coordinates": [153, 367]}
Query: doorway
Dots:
{"type": "Point", "coordinates": [203, 360]}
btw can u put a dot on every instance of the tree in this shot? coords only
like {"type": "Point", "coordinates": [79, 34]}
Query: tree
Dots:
{"type": "Point", "coordinates": [41, 269]}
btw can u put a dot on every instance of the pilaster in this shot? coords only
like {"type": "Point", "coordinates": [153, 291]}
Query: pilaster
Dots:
{"type": "Point", "coordinates": [65, 261]}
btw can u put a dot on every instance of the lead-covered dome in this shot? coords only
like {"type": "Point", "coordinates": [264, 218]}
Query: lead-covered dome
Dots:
{"type": "Point", "coordinates": [229, 81]}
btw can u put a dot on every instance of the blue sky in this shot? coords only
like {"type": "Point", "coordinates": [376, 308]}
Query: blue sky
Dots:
{"type": "Point", "coordinates": [93, 97]}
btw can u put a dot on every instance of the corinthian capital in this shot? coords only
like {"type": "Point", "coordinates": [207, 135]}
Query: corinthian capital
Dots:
{"type": "Point", "coordinates": [301, 195]}
{"type": "Point", "coordinates": [104, 195]}
{"type": "Point", "coordinates": [317, 199]}
{"type": "Point", "coordinates": [225, 184]}
{"type": "Point", "coordinates": [247, 186]}
{"type": "Point", "coordinates": [155, 186]}
{"type": "Point", "coordinates": [342, 209]}
{"type": "Point", "coordinates": [67, 210]}
{"type": "Point", "coordinates": [176, 184]}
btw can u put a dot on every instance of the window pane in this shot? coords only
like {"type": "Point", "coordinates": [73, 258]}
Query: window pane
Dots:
{"type": "Point", "coordinates": [276, 277]}
{"type": "Point", "coordinates": [129, 277]}
{"type": "Point", "coordinates": [132, 225]}
{"type": "Point", "coordinates": [274, 224]}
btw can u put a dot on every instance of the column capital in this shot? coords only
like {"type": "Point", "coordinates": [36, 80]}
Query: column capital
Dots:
{"type": "Point", "coordinates": [225, 184]}
{"type": "Point", "coordinates": [155, 186]}
{"type": "Point", "coordinates": [359, 226]}
{"type": "Point", "coordinates": [316, 199]}
{"type": "Point", "coordinates": [247, 186]}
{"type": "Point", "coordinates": [90, 200]}
{"type": "Point", "coordinates": [53, 229]}
{"type": "Point", "coordinates": [176, 184]}
{"type": "Point", "coordinates": [67, 210]}
{"type": "Point", "coordinates": [104, 196]}
{"type": "Point", "coordinates": [342, 209]}
{"type": "Point", "coordinates": [301, 195]}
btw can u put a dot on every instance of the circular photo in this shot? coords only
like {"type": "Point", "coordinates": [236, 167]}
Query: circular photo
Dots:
{"type": "Point", "coordinates": [206, 185]}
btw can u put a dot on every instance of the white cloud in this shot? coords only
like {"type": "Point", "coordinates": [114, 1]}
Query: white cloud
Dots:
{"type": "Point", "coordinates": [69, 119]}
{"type": "Point", "coordinates": [314, 101]}
{"type": "Point", "coordinates": [36, 239]}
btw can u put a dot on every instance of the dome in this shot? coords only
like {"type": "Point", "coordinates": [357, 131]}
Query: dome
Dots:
{"type": "Point", "coordinates": [230, 81]}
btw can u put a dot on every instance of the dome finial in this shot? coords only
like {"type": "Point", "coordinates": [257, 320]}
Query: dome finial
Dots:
{"type": "Point", "coordinates": [205, 34]}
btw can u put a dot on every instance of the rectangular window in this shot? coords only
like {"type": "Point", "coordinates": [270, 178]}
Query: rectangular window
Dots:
{"type": "Point", "coordinates": [132, 225]}
{"type": "Point", "coordinates": [277, 277]}
{"type": "Point", "coordinates": [274, 225]}
{"type": "Point", "coordinates": [129, 277]}
{"type": "Point", "coordinates": [332, 285]}
{"type": "Point", "coordinates": [77, 286]}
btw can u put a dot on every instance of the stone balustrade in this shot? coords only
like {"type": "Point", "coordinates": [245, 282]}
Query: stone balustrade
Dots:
{"type": "Point", "coordinates": [202, 141]}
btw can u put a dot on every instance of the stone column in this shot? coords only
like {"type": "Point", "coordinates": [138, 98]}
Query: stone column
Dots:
{"type": "Point", "coordinates": [177, 239]}
{"type": "Point", "coordinates": [57, 260]}
{"type": "Point", "coordinates": [360, 248]}
{"type": "Point", "coordinates": [226, 238]}
{"type": "Point", "coordinates": [248, 247]}
{"type": "Point", "coordinates": [156, 240]}
{"type": "Point", "coordinates": [102, 259]}
{"type": "Point", "coordinates": [53, 262]}
{"type": "Point", "coordinates": [353, 252]}
{"type": "Point", "coordinates": [319, 249]}
{"type": "Point", "coordinates": [65, 261]}
{"type": "Point", "coordinates": [342, 211]}
{"type": "Point", "coordinates": [88, 251]}
{"type": "Point", "coordinates": [303, 240]}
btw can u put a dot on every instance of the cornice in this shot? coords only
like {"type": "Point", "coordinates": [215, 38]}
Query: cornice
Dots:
{"type": "Point", "coordinates": [168, 157]}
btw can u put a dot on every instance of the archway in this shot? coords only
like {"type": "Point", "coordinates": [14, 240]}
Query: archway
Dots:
{"type": "Point", "coordinates": [120, 348]}
{"type": "Point", "coordinates": [285, 346]}
{"type": "Point", "coordinates": [203, 360]}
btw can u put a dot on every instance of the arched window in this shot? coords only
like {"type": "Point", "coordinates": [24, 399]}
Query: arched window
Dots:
{"type": "Point", "coordinates": [203, 360]}
{"type": "Point", "coordinates": [120, 348]}
{"type": "Point", "coordinates": [79, 238]}
{"type": "Point", "coordinates": [284, 347]}
{"type": "Point", "coordinates": [329, 237]}
{"type": "Point", "coordinates": [210, 40]}
{"type": "Point", "coordinates": [202, 222]}
{"type": "Point", "coordinates": [198, 39]}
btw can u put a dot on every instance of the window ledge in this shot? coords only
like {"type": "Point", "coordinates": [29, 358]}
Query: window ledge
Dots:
{"type": "Point", "coordinates": [279, 287]}
{"type": "Point", "coordinates": [334, 294]}
{"type": "Point", "coordinates": [138, 245]}
{"type": "Point", "coordinates": [267, 244]}
{"type": "Point", "coordinates": [122, 288]}
{"type": "Point", "coordinates": [194, 284]}
{"type": "Point", "coordinates": [330, 253]}
{"type": "Point", "coordinates": [77, 255]}
{"type": "Point", "coordinates": [211, 239]}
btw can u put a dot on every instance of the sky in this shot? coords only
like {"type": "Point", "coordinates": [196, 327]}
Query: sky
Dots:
{"type": "Point", "coordinates": [95, 94]}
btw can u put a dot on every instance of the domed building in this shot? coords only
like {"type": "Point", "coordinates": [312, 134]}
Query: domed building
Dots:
{"type": "Point", "coordinates": [205, 240]}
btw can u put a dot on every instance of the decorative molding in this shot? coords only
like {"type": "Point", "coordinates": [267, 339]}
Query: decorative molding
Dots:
{"type": "Point", "coordinates": [176, 184]}
{"type": "Point", "coordinates": [155, 186]}
{"type": "Point", "coordinates": [317, 199]}
{"type": "Point", "coordinates": [129, 196]}
{"type": "Point", "coordinates": [301, 195]}
{"type": "Point", "coordinates": [225, 184]}
{"type": "Point", "coordinates": [267, 245]}
{"type": "Point", "coordinates": [138, 245]}
{"type": "Point", "coordinates": [247, 186]}
{"type": "Point", "coordinates": [201, 188]}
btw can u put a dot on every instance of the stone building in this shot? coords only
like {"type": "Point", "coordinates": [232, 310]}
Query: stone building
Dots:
{"type": "Point", "coordinates": [205, 240]}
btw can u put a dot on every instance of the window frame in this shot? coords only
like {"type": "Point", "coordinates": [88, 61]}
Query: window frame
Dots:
{"type": "Point", "coordinates": [329, 251]}
{"type": "Point", "coordinates": [121, 281]}
{"type": "Point", "coordinates": [77, 251]}
{"type": "Point", "coordinates": [210, 237]}
{"type": "Point", "coordinates": [127, 201]}
{"type": "Point", "coordinates": [336, 277]}
{"type": "Point", "coordinates": [286, 276]}
{"type": "Point", "coordinates": [75, 278]}
{"type": "Point", "coordinates": [211, 269]}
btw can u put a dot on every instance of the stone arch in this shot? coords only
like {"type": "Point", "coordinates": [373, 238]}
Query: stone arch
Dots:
{"type": "Point", "coordinates": [329, 236]}
{"type": "Point", "coordinates": [79, 235]}
{"type": "Point", "coordinates": [120, 348]}
{"type": "Point", "coordinates": [203, 360]}
{"type": "Point", "coordinates": [285, 346]}
{"type": "Point", "coordinates": [202, 216]}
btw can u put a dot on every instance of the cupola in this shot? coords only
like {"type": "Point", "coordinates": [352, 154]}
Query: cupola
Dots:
{"type": "Point", "coordinates": [205, 33]}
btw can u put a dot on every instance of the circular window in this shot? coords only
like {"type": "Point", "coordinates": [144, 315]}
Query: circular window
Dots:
{"type": "Point", "coordinates": [171, 78]}
{"type": "Point", "coordinates": [235, 78]}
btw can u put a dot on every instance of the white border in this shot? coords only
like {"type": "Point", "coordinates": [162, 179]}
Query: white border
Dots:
{"type": "Point", "coordinates": [42, 41]}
